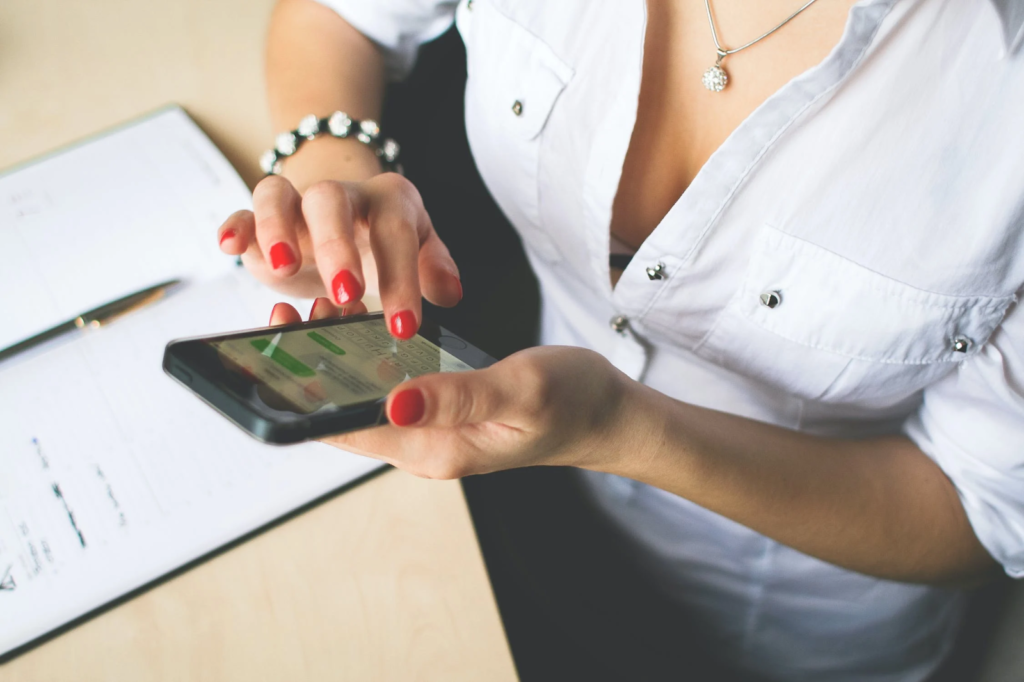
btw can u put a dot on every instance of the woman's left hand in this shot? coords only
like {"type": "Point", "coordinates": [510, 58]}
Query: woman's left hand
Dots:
{"type": "Point", "coordinates": [542, 406]}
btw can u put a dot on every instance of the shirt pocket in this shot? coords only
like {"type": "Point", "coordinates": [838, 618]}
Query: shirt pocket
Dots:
{"type": "Point", "coordinates": [821, 327]}
{"type": "Point", "coordinates": [513, 81]}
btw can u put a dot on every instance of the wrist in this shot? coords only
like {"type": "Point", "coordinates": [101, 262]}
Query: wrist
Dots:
{"type": "Point", "coordinates": [338, 126]}
{"type": "Point", "coordinates": [331, 158]}
{"type": "Point", "coordinates": [633, 428]}
{"type": "Point", "coordinates": [651, 440]}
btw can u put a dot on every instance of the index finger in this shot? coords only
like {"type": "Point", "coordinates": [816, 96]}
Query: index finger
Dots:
{"type": "Point", "coordinates": [396, 224]}
{"type": "Point", "coordinates": [328, 211]}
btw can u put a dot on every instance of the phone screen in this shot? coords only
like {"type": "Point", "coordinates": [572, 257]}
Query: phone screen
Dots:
{"type": "Point", "coordinates": [325, 367]}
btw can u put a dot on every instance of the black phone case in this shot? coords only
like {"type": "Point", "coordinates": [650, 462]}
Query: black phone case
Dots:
{"type": "Point", "coordinates": [193, 364]}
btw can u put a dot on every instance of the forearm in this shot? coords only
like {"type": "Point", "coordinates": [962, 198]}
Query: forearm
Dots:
{"type": "Point", "coordinates": [317, 64]}
{"type": "Point", "coordinates": [878, 506]}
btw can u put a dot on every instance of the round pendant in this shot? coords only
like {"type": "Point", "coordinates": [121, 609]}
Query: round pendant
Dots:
{"type": "Point", "coordinates": [715, 79]}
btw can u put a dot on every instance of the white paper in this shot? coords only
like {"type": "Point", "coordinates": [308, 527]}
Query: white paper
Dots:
{"type": "Point", "coordinates": [109, 217]}
{"type": "Point", "coordinates": [111, 474]}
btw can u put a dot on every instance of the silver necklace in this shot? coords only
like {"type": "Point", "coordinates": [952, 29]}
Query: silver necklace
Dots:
{"type": "Point", "coordinates": [715, 79]}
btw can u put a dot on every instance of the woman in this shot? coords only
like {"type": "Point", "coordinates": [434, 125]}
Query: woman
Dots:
{"type": "Point", "coordinates": [803, 398]}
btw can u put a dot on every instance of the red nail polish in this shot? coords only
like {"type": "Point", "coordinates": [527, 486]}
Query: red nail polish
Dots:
{"type": "Point", "coordinates": [407, 407]}
{"type": "Point", "coordinates": [345, 288]}
{"type": "Point", "coordinates": [228, 234]}
{"type": "Point", "coordinates": [403, 324]}
{"type": "Point", "coordinates": [281, 255]}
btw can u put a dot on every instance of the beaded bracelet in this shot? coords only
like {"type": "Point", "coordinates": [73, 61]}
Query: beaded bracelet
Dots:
{"type": "Point", "coordinates": [339, 125]}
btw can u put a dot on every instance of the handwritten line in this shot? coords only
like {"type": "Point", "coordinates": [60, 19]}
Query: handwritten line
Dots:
{"type": "Point", "coordinates": [39, 451]}
{"type": "Point", "coordinates": [7, 583]}
{"type": "Point", "coordinates": [71, 515]}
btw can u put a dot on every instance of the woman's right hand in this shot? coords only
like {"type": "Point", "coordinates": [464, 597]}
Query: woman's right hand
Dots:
{"type": "Point", "coordinates": [346, 239]}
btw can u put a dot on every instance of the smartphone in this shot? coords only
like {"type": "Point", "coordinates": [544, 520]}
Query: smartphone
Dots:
{"type": "Point", "coordinates": [292, 383]}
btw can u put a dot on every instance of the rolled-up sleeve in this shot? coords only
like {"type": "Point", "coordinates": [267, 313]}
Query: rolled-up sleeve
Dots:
{"type": "Point", "coordinates": [972, 424]}
{"type": "Point", "coordinates": [398, 27]}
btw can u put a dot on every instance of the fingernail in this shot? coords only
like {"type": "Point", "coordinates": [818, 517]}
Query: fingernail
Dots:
{"type": "Point", "coordinates": [403, 324]}
{"type": "Point", "coordinates": [407, 407]}
{"type": "Point", "coordinates": [312, 311]}
{"type": "Point", "coordinates": [345, 287]}
{"type": "Point", "coordinates": [272, 311]}
{"type": "Point", "coordinates": [281, 255]}
{"type": "Point", "coordinates": [228, 234]}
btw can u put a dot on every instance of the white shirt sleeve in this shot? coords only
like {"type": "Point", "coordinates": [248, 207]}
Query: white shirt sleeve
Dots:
{"type": "Point", "coordinates": [972, 424]}
{"type": "Point", "coordinates": [398, 27]}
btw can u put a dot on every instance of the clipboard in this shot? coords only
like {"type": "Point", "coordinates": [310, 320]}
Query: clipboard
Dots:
{"type": "Point", "coordinates": [111, 478]}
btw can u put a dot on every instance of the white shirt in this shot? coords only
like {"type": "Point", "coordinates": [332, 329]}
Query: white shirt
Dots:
{"type": "Point", "coordinates": [879, 195]}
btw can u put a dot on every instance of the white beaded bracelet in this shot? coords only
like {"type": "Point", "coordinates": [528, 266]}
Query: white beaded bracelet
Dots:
{"type": "Point", "coordinates": [339, 124]}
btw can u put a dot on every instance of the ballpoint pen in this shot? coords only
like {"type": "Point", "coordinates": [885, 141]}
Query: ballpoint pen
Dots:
{"type": "Point", "coordinates": [95, 318]}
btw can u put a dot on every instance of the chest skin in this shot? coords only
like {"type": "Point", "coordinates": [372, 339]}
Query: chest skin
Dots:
{"type": "Point", "coordinates": [679, 123]}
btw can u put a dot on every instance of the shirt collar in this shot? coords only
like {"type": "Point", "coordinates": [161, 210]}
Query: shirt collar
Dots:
{"type": "Point", "coordinates": [1011, 12]}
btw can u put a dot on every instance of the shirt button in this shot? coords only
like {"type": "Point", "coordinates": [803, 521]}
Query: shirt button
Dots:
{"type": "Point", "coordinates": [962, 344]}
{"type": "Point", "coordinates": [656, 271]}
{"type": "Point", "coordinates": [619, 323]}
{"type": "Point", "coordinates": [517, 108]}
{"type": "Point", "coordinates": [771, 299]}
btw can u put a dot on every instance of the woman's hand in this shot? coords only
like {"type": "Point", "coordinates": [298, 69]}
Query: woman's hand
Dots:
{"type": "Point", "coordinates": [549, 405]}
{"type": "Point", "coordinates": [879, 506]}
{"type": "Point", "coordinates": [346, 238]}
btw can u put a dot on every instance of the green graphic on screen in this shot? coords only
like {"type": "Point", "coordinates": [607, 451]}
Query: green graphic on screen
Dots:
{"type": "Point", "coordinates": [341, 364]}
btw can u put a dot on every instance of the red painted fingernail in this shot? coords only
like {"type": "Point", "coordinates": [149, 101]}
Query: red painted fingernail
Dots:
{"type": "Point", "coordinates": [407, 407]}
{"type": "Point", "coordinates": [228, 234]}
{"type": "Point", "coordinates": [403, 324]}
{"type": "Point", "coordinates": [272, 311]}
{"type": "Point", "coordinates": [346, 288]}
{"type": "Point", "coordinates": [281, 255]}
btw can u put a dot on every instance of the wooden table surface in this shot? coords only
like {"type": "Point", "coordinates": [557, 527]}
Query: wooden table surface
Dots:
{"type": "Point", "coordinates": [384, 582]}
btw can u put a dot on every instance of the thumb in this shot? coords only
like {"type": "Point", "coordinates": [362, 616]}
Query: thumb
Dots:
{"type": "Point", "coordinates": [446, 400]}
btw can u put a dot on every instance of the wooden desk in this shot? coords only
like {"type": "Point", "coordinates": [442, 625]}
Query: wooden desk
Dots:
{"type": "Point", "coordinates": [385, 582]}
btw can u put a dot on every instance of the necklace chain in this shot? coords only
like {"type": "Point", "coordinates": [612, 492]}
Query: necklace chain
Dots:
{"type": "Point", "coordinates": [715, 78]}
